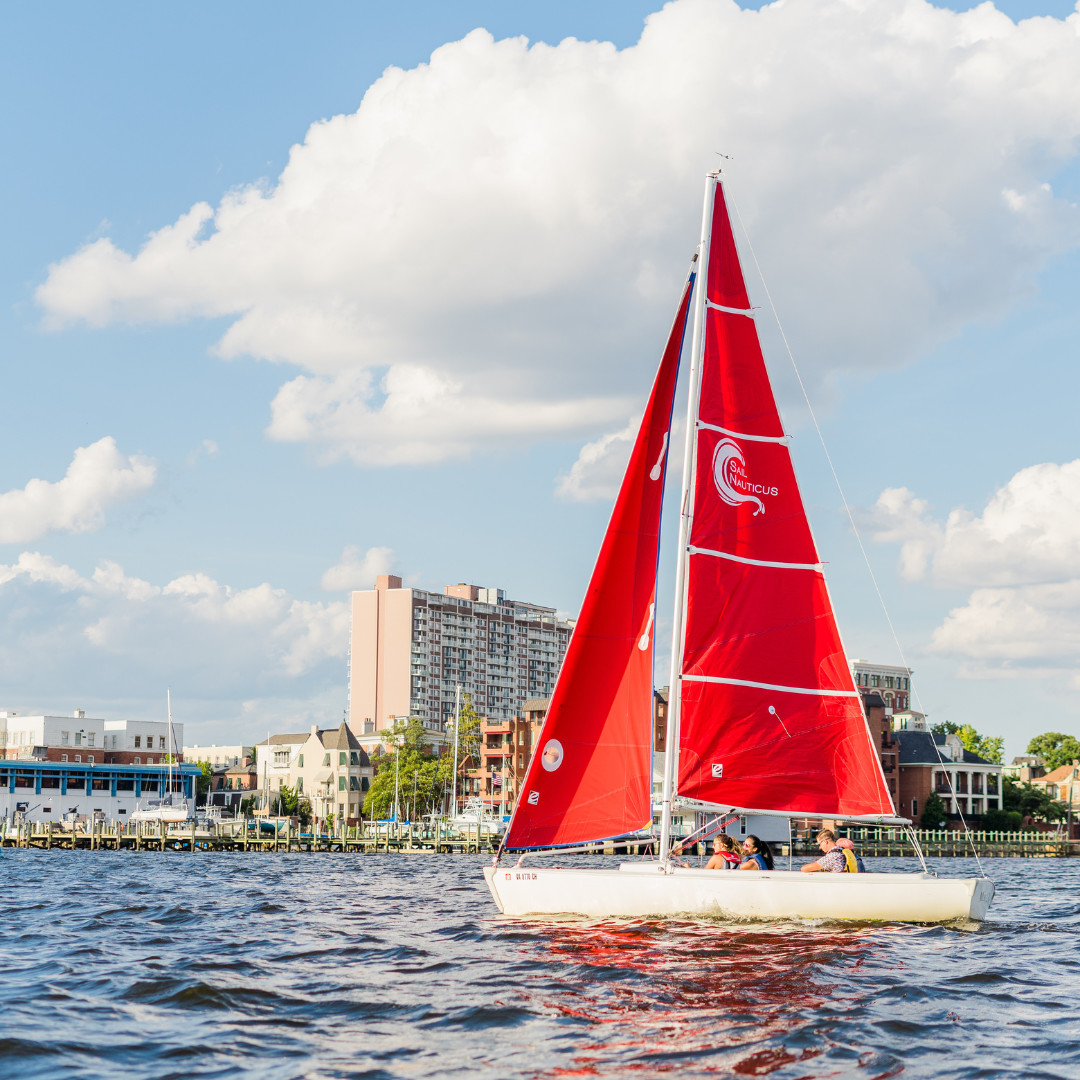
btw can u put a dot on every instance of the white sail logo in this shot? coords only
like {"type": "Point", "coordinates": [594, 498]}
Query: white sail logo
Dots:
{"type": "Point", "coordinates": [732, 483]}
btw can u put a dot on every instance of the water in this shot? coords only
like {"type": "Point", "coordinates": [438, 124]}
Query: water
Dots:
{"type": "Point", "coordinates": [143, 965]}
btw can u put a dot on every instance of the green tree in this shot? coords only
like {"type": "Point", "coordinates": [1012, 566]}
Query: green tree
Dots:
{"type": "Point", "coordinates": [303, 812]}
{"type": "Point", "coordinates": [945, 727]}
{"type": "Point", "coordinates": [202, 781]}
{"type": "Point", "coordinates": [1030, 801]}
{"type": "Point", "coordinates": [933, 815]}
{"type": "Point", "coordinates": [1002, 820]}
{"type": "Point", "coordinates": [286, 802]}
{"type": "Point", "coordinates": [422, 778]}
{"type": "Point", "coordinates": [1055, 749]}
{"type": "Point", "coordinates": [986, 746]}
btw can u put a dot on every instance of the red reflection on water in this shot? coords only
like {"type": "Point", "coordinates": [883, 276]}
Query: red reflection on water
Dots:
{"type": "Point", "coordinates": [699, 998]}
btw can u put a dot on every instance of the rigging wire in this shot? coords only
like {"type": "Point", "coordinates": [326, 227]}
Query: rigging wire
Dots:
{"type": "Point", "coordinates": [847, 507]}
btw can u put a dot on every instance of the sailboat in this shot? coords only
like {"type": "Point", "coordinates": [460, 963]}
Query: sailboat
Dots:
{"type": "Point", "coordinates": [170, 807]}
{"type": "Point", "coordinates": [764, 717]}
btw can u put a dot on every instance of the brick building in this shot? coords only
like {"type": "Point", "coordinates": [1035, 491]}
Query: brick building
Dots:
{"type": "Point", "coordinates": [969, 785]}
{"type": "Point", "coordinates": [506, 748]}
{"type": "Point", "coordinates": [880, 722]}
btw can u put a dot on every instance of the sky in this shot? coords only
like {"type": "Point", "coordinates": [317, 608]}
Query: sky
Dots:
{"type": "Point", "coordinates": [297, 295]}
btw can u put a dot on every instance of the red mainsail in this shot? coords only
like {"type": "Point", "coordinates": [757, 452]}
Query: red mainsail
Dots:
{"type": "Point", "coordinates": [590, 774]}
{"type": "Point", "coordinates": [769, 717]}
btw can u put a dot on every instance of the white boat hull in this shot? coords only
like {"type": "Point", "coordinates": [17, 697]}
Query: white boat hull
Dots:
{"type": "Point", "coordinates": [645, 889]}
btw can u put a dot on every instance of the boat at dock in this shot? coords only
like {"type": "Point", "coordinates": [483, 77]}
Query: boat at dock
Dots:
{"type": "Point", "coordinates": [764, 717]}
{"type": "Point", "coordinates": [171, 808]}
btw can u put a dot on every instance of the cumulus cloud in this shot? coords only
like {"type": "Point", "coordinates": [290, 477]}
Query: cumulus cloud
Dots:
{"type": "Point", "coordinates": [99, 476]}
{"type": "Point", "coordinates": [190, 621]}
{"type": "Point", "coordinates": [599, 468]}
{"type": "Point", "coordinates": [489, 249]}
{"type": "Point", "coordinates": [1020, 557]}
{"type": "Point", "coordinates": [356, 571]}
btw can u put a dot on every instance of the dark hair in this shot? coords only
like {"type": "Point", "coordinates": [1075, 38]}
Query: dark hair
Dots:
{"type": "Point", "coordinates": [762, 848]}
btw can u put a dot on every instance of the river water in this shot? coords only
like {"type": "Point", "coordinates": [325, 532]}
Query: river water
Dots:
{"type": "Point", "coordinates": [150, 965]}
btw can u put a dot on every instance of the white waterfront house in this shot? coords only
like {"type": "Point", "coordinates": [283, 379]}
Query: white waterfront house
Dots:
{"type": "Point", "coordinates": [327, 766]}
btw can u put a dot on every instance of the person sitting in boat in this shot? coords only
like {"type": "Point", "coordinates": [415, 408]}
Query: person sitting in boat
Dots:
{"type": "Point", "coordinates": [757, 854]}
{"type": "Point", "coordinates": [725, 853]}
{"type": "Point", "coordinates": [835, 859]}
{"type": "Point", "coordinates": [846, 845]}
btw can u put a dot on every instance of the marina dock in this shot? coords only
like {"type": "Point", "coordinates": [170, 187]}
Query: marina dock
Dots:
{"type": "Point", "coordinates": [381, 838]}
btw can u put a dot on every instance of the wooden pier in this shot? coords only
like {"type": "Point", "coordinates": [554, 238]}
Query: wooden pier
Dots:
{"type": "Point", "coordinates": [372, 838]}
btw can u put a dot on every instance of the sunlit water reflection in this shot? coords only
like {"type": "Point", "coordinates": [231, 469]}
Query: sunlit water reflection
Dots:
{"type": "Point", "coordinates": [278, 966]}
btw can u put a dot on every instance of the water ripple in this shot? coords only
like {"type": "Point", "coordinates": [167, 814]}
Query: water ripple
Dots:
{"type": "Point", "coordinates": [284, 967]}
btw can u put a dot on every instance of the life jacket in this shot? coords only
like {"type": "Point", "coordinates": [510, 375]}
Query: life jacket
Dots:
{"type": "Point", "coordinates": [852, 862]}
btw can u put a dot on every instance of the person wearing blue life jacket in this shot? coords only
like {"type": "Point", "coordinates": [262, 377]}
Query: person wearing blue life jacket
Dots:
{"type": "Point", "coordinates": [757, 854]}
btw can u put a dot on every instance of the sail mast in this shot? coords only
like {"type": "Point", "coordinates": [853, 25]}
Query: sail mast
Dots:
{"type": "Point", "coordinates": [671, 737]}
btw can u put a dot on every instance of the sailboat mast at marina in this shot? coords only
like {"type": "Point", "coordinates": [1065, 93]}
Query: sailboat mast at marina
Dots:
{"type": "Point", "coordinates": [764, 715]}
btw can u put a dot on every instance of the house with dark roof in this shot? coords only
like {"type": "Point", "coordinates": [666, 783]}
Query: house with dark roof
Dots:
{"type": "Point", "coordinates": [930, 761]}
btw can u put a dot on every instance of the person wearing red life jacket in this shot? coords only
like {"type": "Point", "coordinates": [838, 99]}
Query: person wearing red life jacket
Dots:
{"type": "Point", "coordinates": [725, 853]}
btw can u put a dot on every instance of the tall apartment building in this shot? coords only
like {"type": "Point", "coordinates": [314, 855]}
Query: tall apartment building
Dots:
{"type": "Point", "coordinates": [411, 648]}
{"type": "Point", "coordinates": [892, 682]}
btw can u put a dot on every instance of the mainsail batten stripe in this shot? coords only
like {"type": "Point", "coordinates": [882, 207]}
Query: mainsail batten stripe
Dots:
{"type": "Point", "coordinates": [748, 312]}
{"type": "Point", "coordinates": [815, 692]}
{"type": "Point", "coordinates": [784, 440]}
{"type": "Point", "coordinates": [817, 567]}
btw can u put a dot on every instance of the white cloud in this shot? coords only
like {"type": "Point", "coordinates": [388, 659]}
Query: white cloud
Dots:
{"type": "Point", "coordinates": [1021, 558]}
{"type": "Point", "coordinates": [356, 571]}
{"type": "Point", "coordinates": [599, 468]}
{"type": "Point", "coordinates": [191, 623]}
{"type": "Point", "coordinates": [99, 476]}
{"type": "Point", "coordinates": [490, 248]}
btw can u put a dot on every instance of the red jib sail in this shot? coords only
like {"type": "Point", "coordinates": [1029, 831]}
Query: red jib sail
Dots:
{"type": "Point", "coordinates": [769, 716]}
{"type": "Point", "coordinates": [590, 774]}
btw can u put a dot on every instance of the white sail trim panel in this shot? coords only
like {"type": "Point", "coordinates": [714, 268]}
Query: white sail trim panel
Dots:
{"type": "Point", "coordinates": [748, 312]}
{"type": "Point", "coordinates": [784, 440]}
{"type": "Point", "coordinates": [818, 568]}
{"type": "Point", "coordinates": [815, 692]}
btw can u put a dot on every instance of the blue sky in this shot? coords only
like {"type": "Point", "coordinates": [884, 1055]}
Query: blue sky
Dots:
{"type": "Point", "coordinates": [938, 332]}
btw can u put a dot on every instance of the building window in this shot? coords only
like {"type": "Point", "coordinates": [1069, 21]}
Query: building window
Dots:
{"type": "Point", "coordinates": [138, 761]}
{"type": "Point", "coordinates": [914, 808]}
{"type": "Point", "coordinates": [78, 757]}
{"type": "Point", "coordinates": [299, 785]}
{"type": "Point", "coordinates": [63, 757]}
{"type": "Point", "coordinates": [326, 761]}
{"type": "Point", "coordinates": [90, 738]}
{"type": "Point", "coordinates": [78, 738]}
{"type": "Point", "coordinates": [354, 758]}
{"type": "Point", "coordinates": [300, 761]}
{"type": "Point", "coordinates": [90, 758]}
{"type": "Point", "coordinates": [341, 783]}
{"type": "Point", "coordinates": [342, 758]}
{"type": "Point", "coordinates": [354, 783]}
{"type": "Point", "coordinates": [65, 736]}
{"type": "Point", "coordinates": [161, 742]}
{"type": "Point", "coordinates": [138, 741]}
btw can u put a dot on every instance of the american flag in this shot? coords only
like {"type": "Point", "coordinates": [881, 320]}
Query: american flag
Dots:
{"type": "Point", "coordinates": [496, 779]}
